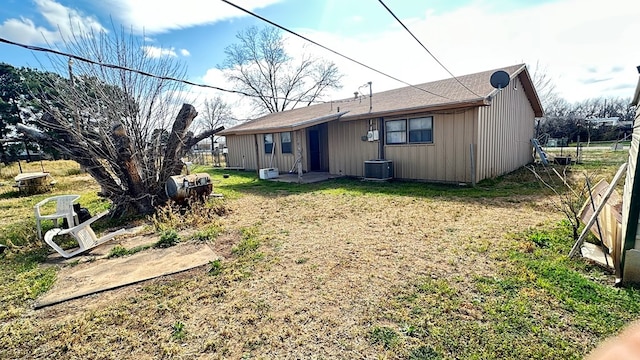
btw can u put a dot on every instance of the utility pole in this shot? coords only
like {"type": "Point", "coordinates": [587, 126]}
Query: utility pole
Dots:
{"type": "Point", "coordinates": [70, 63]}
{"type": "Point", "coordinates": [370, 97]}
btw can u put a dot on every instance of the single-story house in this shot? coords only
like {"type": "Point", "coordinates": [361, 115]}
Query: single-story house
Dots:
{"type": "Point", "coordinates": [457, 130]}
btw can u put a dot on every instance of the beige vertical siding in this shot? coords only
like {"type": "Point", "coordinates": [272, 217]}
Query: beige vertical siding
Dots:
{"type": "Point", "coordinates": [283, 162]}
{"type": "Point", "coordinates": [447, 159]}
{"type": "Point", "coordinates": [347, 151]}
{"type": "Point", "coordinates": [244, 145]}
{"type": "Point", "coordinates": [505, 130]}
{"type": "Point", "coordinates": [240, 146]}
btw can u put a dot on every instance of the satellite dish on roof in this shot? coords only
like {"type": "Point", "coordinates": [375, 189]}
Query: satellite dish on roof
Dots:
{"type": "Point", "coordinates": [499, 79]}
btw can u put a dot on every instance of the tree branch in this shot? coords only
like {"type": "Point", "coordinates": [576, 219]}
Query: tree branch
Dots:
{"type": "Point", "coordinates": [196, 139]}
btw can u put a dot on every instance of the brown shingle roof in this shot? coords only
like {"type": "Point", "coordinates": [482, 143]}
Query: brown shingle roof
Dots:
{"type": "Point", "coordinates": [437, 95]}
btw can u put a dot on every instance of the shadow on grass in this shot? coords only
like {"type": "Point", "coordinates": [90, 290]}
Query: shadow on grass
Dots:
{"type": "Point", "coordinates": [520, 182]}
{"type": "Point", "coordinates": [13, 194]}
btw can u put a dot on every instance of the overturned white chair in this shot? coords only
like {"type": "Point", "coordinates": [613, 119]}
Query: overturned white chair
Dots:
{"type": "Point", "coordinates": [63, 210]}
{"type": "Point", "coordinates": [83, 234]}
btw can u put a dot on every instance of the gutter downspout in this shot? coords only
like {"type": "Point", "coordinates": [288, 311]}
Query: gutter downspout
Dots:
{"type": "Point", "coordinates": [381, 138]}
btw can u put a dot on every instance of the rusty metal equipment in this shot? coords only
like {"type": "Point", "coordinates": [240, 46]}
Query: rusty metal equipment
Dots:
{"type": "Point", "coordinates": [181, 188]}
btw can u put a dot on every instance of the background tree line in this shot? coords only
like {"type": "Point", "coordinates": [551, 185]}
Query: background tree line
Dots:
{"type": "Point", "coordinates": [20, 92]}
{"type": "Point", "coordinates": [571, 121]}
{"type": "Point", "coordinates": [576, 121]}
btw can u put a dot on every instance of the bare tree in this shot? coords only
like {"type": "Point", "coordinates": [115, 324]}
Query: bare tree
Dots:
{"type": "Point", "coordinates": [115, 122]}
{"type": "Point", "coordinates": [216, 114]}
{"type": "Point", "coordinates": [259, 65]}
{"type": "Point", "coordinates": [545, 87]}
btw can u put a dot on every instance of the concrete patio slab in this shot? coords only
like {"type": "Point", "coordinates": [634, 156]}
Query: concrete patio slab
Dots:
{"type": "Point", "coordinates": [105, 274]}
{"type": "Point", "coordinates": [307, 178]}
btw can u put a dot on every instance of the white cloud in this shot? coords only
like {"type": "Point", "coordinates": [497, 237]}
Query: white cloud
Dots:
{"type": "Point", "coordinates": [185, 52]}
{"type": "Point", "coordinates": [575, 49]}
{"type": "Point", "coordinates": [62, 21]}
{"type": "Point", "coordinates": [480, 37]}
{"type": "Point", "coordinates": [167, 15]}
{"type": "Point", "coordinates": [157, 52]}
{"type": "Point", "coordinates": [25, 31]}
{"type": "Point", "coordinates": [240, 105]}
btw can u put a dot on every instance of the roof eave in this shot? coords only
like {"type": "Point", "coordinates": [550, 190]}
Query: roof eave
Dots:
{"type": "Point", "coordinates": [293, 127]}
{"type": "Point", "coordinates": [530, 90]}
{"type": "Point", "coordinates": [420, 109]}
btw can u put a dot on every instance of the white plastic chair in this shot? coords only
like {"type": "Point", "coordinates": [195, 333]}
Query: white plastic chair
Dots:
{"type": "Point", "coordinates": [83, 233]}
{"type": "Point", "coordinates": [64, 210]}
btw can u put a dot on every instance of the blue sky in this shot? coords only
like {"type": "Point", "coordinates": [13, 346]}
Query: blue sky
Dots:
{"type": "Point", "coordinates": [588, 47]}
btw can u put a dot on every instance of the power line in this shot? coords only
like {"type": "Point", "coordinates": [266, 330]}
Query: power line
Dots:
{"type": "Point", "coordinates": [119, 67]}
{"type": "Point", "coordinates": [425, 48]}
{"type": "Point", "coordinates": [328, 49]}
{"type": "Point", "coordinates": [144, 73]}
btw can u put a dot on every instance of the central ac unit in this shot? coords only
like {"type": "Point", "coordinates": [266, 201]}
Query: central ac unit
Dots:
{"type": "Point", "coordinates": [378, 169]}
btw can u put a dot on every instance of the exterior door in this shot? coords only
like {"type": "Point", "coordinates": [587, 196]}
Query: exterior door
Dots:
{"type": "Point", "coordinates": [315, 155]}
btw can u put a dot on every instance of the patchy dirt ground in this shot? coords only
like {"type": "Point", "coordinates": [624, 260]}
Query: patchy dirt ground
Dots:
{"type": "Point", "coordinates": [325, 265]}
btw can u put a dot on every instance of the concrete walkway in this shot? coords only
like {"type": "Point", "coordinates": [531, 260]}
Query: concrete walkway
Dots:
{"type": "Point", "coordinates": [307, 178]}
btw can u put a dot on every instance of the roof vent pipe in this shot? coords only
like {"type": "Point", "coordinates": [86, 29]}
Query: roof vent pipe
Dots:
{"type": "Point", "coordinates": [370, 96]}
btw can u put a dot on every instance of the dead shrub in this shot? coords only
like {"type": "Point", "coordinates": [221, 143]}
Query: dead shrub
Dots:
{"type": "Point", "coordinates": [193, 215]}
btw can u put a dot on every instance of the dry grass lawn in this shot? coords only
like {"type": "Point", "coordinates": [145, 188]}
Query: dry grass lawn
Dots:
{"type": "Point", "coordinates": [324, 272]}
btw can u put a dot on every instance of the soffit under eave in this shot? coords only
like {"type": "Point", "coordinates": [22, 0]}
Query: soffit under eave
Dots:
{"type": "Point", "coordinates": [418, 110]}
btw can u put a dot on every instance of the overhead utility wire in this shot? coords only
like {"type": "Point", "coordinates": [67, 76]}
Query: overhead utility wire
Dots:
{"type": "Point", "coordinates": [144, 73]}
{"type": "Point", "coordinates": [425, 48]}
{"type": "Point", "coordinates": [328, 49]}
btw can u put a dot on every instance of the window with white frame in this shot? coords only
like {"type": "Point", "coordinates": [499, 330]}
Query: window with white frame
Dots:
{"type": "Point", "coordinates": [268, 143]}
{"type": "Point", "coordinates": [285, 142]}
{"type": "Point", "coordinates": [412, 131]}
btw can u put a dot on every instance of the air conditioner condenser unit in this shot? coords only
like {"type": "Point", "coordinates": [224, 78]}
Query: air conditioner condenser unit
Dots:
{"type": "Point", "coordinates": [378, 169]}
